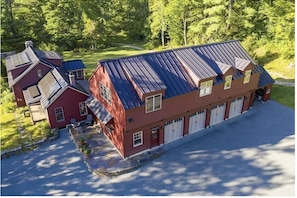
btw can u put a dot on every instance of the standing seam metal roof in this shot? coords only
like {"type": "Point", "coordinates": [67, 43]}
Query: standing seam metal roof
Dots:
{"type": "Point", "coordinates": [153, 71]}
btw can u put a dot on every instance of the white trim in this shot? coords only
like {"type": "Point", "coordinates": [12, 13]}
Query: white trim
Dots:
{"type": "Point", "coordinates": [59, 112]}
{"type": "Point", "coordinates": [105, 89]}
{"type": "Point", "coordinates": [205, 90]}
{"type": "Point", "coordinates": [228, 87]}
{"type": "Point", "coordinates": [141, 138]}
{"type": "Point", "coordinates": [154, 103]}
{"type": "Point", "coordinates": [249, 72]}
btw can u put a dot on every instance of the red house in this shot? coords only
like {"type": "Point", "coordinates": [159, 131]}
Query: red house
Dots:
{"type": "Point", "coordinates": [144, 101]}
{"type": "Point", "coordinates": [54, 90]}
{"type": "Point", "coordinates": [28, 67]}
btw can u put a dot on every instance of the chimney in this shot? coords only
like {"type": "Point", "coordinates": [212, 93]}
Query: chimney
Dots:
{"type": "Point", "coordinates": [72, 79]}
{"type": "Point", "coordinates": [28, 43]}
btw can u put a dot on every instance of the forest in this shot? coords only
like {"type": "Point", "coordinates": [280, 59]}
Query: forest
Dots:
{"type": "Point", "coordinates": [78, 24]}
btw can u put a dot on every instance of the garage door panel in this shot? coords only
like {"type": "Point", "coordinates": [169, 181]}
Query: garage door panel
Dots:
{"type": "Point", "coordinates": [173, 130]}
{"type": "Point", "coordinates": [217, 114]}
{"type": "Point", "coordinates": [197, 121]}
{"type": "Point", "coordinates": [236, 107]}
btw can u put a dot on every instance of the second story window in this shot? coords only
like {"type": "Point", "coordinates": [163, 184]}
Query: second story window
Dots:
{"type": "Point", "coordinates": [206, 88]}
{"type": "Point", "coordinates": [39, 73]}
{"type": "Point", "coordinates": [228, 81]}
{"type": "Point", "coordinates": [105, 93]}
{"type": "Point", "coordinates": [247, 76]}
{"type": "Point", "coordinates": [83, 110]}
{"type": "Point", "coordinates": [153, 103]}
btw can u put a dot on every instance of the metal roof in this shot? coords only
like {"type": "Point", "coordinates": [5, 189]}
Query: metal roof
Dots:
{"type": "Point", "coordinates": [241, 64]}
{"type": "Point", "coordinates": [73, 65]}
{"type": "Point", "coordinates": [265, 78]}
{"type": "Point", "coordinates": [195, 63]}
{"type": "Point", "coordinates": [98, 109]}
{"type": "Point", "coordinates": [20, 59]}
{"type": "Point", "coordinates": [140, 73]}
{"type": "Point", "coordinates": [159, 70]}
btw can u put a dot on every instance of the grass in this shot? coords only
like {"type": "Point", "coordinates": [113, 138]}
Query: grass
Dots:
{"type": "Point", "coordinates": [90, 58]}
{"type": "Point", "coordinates": [10, 137]}
{"type": "Point", "coordinates": [278, 67]}
{"type": "Point", "coordinates": [284, 95]}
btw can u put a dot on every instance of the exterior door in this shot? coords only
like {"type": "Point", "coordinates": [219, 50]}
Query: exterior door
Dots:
{"type": "Point", "coordinates": [173, 130]}
{"type": "Point", "coordinates": [197, 121]}
{"type": "Point", "coordinates": [217, 114]}
{"type": "Point", "coordinates": [236, 107]}
{"type": "Point", "coordinates": [155, 136]}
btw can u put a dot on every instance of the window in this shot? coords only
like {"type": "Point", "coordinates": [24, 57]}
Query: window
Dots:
{"type": "Point", "coordinates": [137, 139]}
{"type": "Point", "coordinates": [153, 103]}
{"type": "Point", "coordinates": [105, 93]}
{"type": "Point", "coordinates": [247, 76]}
{"type": "Point", "coordinates": [206, 88]}
{"type": "Point", "coordinates": [39, 73]}
{"type": "Point", "coordinates": [78, 74]}
{"type": "Point", "coordinates": [59, 114]}
{"type": "Point", "coordinates": [228, 81]}
{"type": "Point", "coordinates": [83, 110]}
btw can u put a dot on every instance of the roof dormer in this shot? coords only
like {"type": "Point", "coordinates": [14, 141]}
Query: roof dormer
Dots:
{"type": "Point", "coordinates": [144, 79]}
{"type": "Point", "coordinates": [197, 68]}
{"type": "Point", "coordinates": [243, 64]}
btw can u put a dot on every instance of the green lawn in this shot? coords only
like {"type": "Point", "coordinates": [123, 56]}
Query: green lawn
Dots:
{"type": "Point", "coordinates": [284, 95]}
{"type": "Point", "coordinates": [91, 57]}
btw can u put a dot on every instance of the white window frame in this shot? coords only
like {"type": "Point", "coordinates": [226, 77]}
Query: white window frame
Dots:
{"type": "Point", "coordinates": [228, 82]}
{"type": "Point", "coordinates": [247, 76]}
{"type": "Point", "coordinates": [62, 113]}
{"type": "Point", "coordinates": [79, 74]}
{"type": "Point", "coordinates": [39, 73]}
{"type": "Point", "coordinates": [154, 103]}
{"type": "Point", "coordinates": [137, 138]}
{"type": "Point", "coordinates": [206, 88]}
{"type": "Point", "coordinates": [83, 108]}
{"type": "Point", "coordinates": [105, 93]}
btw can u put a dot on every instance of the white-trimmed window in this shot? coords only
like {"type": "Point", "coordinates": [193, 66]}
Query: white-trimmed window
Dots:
{"type": "Point", "coordinates": [83, 110]}
{"type": "Point", "coordinates": [153, 103]}
{"type": "Point", "coordinates": [79, 74]}
{"type": "Point", "coordinates": [247, 76]}
{"type": "Point", "coordinates": [228, 82]}
{"type": "Point", "coordinates": [39, 73]}
{"type": "Point", "coordinates": [105, 93]}
{"type": "Point", "coordinates": [206, 88]}
{"type": "Point", "coordinates": [59, 114]}
{"type": "Point", "coordinates": [137, 139]}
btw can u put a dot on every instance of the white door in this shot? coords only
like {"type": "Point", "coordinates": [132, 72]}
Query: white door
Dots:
{"type": "Point", "coordinates": [217, 114]}
{"type": "Point", "coordinates": [173, 130]}
{"type": "Point", "coordinates": [236, 107]}
{"type": "Point", "coordinates": [197, 121]}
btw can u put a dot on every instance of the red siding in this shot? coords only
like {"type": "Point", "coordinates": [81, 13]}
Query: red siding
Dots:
{"type": "Point", "coordinates": [116, 108]}
{"type": "Point", "coordinates": [19, 70]}
{"type": "Point", "coordinates": [57, 62]}
{"type": "Point", "coordinates": [31, 78]}
{"type": "Point", "coordinates": [69, 100]}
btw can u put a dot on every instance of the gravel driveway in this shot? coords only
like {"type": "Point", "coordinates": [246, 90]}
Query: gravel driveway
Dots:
{"type": "Point", "coordinates": [252, 154]}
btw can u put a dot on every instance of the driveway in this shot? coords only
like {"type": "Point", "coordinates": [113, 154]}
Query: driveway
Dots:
{"type": "Point", "coordinates": [252, 154]}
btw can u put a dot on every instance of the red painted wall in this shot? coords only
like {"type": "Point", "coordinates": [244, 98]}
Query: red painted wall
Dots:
{"type": "Point", "coordinates": [69, 100]}
{"type": "Point", "coordinates": [18, 71]}
{"type": "Point", "coordinates": [31, 78]}
{"type": "Point", "coordinates": [57, 62]}
{"type": "Point", "coordinates": [116, 108]}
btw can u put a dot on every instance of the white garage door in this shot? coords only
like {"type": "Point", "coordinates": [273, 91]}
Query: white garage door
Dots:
{"type": "Point", "coordinates": [217, 114]}
{"type": "Point", "coordinates": [173, 130]}
{"type": "Point", "coordinates": [197, 121]}
{"type": "Point", "coordinates": [236, 107]}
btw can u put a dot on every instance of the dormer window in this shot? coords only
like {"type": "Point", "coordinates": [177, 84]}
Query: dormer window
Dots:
{"type": "Point", "coordinates": [206, 88]}
{"type": "Point", "coordinates": [105, 93]}
{"type": "Point", "coordinates": [153, 103]}
{"type": "Point", "coordinates": [228, 82]}
{"type": "Point", "coordinates": [247, 76]}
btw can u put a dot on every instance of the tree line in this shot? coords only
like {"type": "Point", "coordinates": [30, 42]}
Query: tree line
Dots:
{"type": "Point", "coordinates": [70, 24]}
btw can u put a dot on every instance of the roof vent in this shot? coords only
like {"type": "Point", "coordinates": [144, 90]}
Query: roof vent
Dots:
{"type": "Point", "coordinates": [28, 43]}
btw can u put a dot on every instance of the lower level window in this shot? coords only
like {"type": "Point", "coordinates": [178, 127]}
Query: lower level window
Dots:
{"type": "Point", "coordinates": [137, 139]}
{"type": "Point", "coordinates": [59, 114]}
{"type": "Point", "coordinates": [83, 110]}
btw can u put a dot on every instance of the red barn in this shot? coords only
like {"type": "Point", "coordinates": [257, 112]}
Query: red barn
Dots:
{"type": "Point", "coordinates": [144, 101]}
